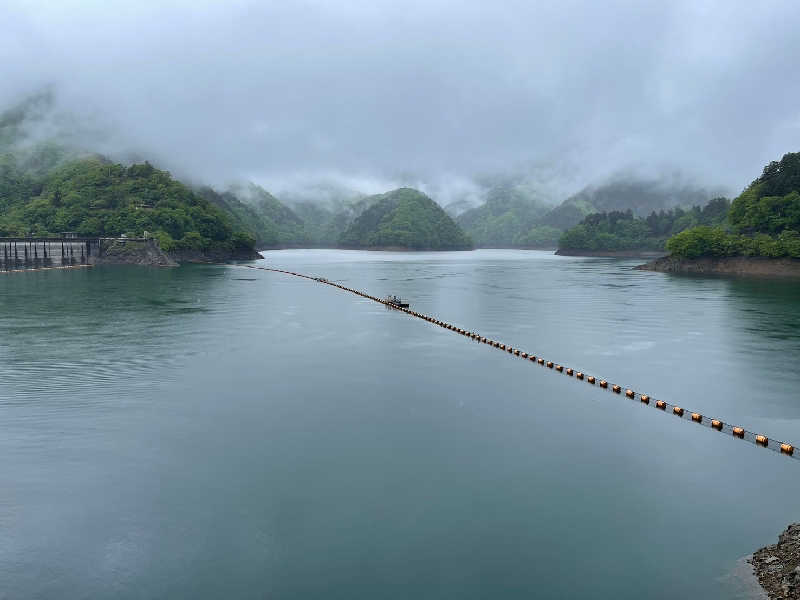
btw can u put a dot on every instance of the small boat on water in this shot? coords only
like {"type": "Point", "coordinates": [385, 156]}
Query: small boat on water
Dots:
{"type": "Point", "coordinates": [396, 301]}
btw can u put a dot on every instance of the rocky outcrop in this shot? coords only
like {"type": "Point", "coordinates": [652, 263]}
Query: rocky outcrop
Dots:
{"type": "Point", "coordinates": [131, 252]}
{"type": "Point", "coordinates": [731, 265]}
{"type": "Point", "coordinates": [778, 567]}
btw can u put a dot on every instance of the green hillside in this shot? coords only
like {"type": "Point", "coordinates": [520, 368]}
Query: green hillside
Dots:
{"type": "Point", "coordinates": [285, 227]}
{"type": "Point", "coordinates": [259, 213]}
{"type": "Point", "coordinates": [508, 214]}
{"type": "Point", "coordinates": [512, 216]}
{"type": "Point", "coordinates": [618, 231]}
{"type": "Point", "coordinates": [763, 221]}
{"type": "Point", "coordinates": [95, 197]}
{"type": "Point", "coordinates": [404, 218]}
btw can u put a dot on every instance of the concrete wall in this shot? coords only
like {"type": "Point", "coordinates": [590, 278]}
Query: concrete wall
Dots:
{"type": "Point", "coordinates": [20, 253]}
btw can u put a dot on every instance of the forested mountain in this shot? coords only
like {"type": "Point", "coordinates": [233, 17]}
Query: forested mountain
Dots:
{"type": "Point", "coordinates": [48, 187]}
{"type": "Point", "coordinates": [282, 226]}
{"type": "Point", "coordinates": [95, 197]}
{"type": "Point", "coordinates": [619, 231]}
{"type": "Point", "coordinates": [508, 214]}
{"type": "Point", "coordinates": [243, 216]}
{"type": "Point", "coordinates": [326, 222]}
{"type": "Point", "coordinates": [763, 221]}
{"type": "Point", "coordinates": [404, 218]}
{"type": "Point", "coordinates": [517, 218]}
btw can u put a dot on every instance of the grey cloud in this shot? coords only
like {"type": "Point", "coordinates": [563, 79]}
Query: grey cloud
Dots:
{"type": "Point", "coordinates": [428, 91]}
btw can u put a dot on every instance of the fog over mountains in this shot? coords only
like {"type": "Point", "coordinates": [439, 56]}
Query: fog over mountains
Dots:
{"type": "Point", "coordinates": [434, 95]}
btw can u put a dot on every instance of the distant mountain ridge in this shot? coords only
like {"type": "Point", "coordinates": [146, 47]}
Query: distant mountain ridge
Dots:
{"type": "Point", "coordinates": [512, 217]}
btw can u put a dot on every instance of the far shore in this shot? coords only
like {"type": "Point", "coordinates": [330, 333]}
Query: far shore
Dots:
{"type": "Point", "coordinates": [612, 253]}
{"type": "Point", "coordinates": [404, 249]}
{"type": "Point", "coordinates": [751, 266]}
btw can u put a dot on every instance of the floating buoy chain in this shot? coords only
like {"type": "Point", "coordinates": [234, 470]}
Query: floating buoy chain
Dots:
{"type": "Point", "coordinates": [644, 399]}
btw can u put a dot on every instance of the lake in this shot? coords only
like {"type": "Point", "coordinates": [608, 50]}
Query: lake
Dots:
{"type": "Point", "coordinates": [214, 431]}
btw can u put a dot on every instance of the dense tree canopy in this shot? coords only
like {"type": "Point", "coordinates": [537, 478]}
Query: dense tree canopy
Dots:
{"type": "Point", "coordinates": [513, 217]}
{"type": "Point", "coordinates": [95, 197]}
{"type": "Point", "coordinates": [507, 215]}
{"type": "Point", "coordinates": [763, 221]}
{"type": "Point", "coordinates": [622, 231]}
{"type": "Point", "coordinates": [256, 211]}
{"type": "Point", "coordinates": [404, 218]}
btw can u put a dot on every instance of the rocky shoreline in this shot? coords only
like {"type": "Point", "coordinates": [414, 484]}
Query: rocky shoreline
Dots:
{"type": "Point", "coordinates": [132, 252]}
{"type": "Point", "coordinates": [148, 253]}
{"type": "Point", "coordinates": [778, 567]}
{"type": "Point", "coordinates": [731, 265]}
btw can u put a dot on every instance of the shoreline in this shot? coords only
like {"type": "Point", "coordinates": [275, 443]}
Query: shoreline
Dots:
{"type": "Point", "coordinates": [403, 249]}
{"type": "Point", "coordinates": [754, 266]}
{"type": "Point", "coordinates": [777, 567]}
{"type": "Point", "coordinates": [611, 253]}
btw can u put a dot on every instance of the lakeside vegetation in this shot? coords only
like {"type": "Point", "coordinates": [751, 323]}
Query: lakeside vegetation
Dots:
{"type": "Point", "coordinates": [621, 231]}
{"type": "Point", "coordinates": [764, 221]}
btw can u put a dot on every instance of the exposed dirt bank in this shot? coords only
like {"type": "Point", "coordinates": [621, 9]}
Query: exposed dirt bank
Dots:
{"type": "Point", "coordinates": [611, 254]}
{"type": "Point", "coordinates": [733, 265]}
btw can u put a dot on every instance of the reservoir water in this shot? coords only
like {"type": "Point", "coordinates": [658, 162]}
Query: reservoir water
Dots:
{"type": "Point", "coordinates": [218, 432]}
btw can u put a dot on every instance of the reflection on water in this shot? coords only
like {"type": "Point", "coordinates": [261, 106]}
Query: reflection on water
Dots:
{"type": "Point", "coordinates": [195, 432]}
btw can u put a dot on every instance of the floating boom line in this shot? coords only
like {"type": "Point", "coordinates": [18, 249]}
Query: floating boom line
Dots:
{"type": "Point", "coordinates": [685, 414]}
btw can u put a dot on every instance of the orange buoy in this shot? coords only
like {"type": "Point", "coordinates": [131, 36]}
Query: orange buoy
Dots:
{"type": "Point", "coordinates": [510, 350]}
{"type": "Point", "coordinates": [603, 383]}
{"type": "Point", "coordinates": [524, 355]}
{"type": "Point", "coordinates": [738, 432]}
{"type": "Point", "coordinates": [697, 417]}
{"type": "Point", "coordinates": [616, 389]}
{"type": "Point", "coordinates": [570, 372]}
{"type": "Point", "coordinates": [787, 449]}
{"type": "Point", "coordinates": [502, 346]}
{"type": "Point", "coordinates": [630, 393]}
{"type": "Point", "coordinates": [532, 358]}
{"type": "Point", "coordinates": [579, 375]}
{"type": "Point", "coordinates": [645, 398]}
{"type": "Point", "coordinates": [762, 440]}
{"type": "Point", "coordinates": [540, 361]}
{"type": "Point", "coordinates": [559, 368]}
{"type": "Point", "coordinates": [677, 410]}
{"type": "Point", "coordinates": [661, 404]}
{"type": "Point", "coordinates": [516, 352]}
{"type": "Point", "coordinates": [716, 424]}
{"type": "Point", "coordinates": [590, 379]}
{"type": "Point", "coordinates": [549, 364]}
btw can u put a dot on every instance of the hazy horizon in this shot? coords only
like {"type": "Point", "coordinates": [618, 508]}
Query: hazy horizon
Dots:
{"type": "Point", "coordinates": [435, 95]}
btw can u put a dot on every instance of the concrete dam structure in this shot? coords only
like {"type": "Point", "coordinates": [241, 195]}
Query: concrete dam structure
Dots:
{"type": "Point", "coordinates": [23, 253]}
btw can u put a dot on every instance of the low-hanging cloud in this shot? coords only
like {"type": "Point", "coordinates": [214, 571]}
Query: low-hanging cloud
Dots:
{"type": "Point", "coordinates": [421, 90]}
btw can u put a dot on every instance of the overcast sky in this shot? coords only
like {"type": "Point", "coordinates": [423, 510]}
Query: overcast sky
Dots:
{"type": "Point", "coordinates": [378, 90]}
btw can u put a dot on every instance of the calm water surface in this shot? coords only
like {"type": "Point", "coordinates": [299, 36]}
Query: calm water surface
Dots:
{"type": "Point", "coordinates": [209, 432]}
